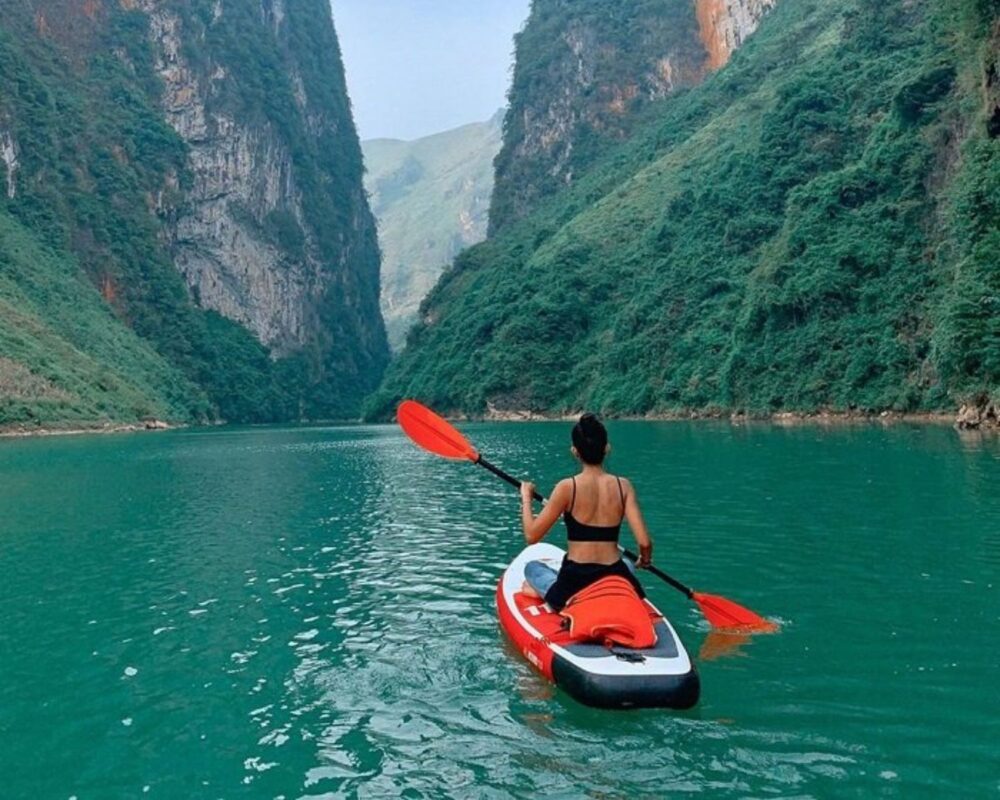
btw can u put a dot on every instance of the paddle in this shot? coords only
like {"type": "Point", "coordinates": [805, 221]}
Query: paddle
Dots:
{"type": "Point", "coordinates": [438, 436]}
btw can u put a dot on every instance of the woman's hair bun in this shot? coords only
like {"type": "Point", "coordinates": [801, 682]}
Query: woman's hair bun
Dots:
{"type": "Point", "coordinates": [591, 423]}
{"type": "Point", "coordinates": [590, 438]}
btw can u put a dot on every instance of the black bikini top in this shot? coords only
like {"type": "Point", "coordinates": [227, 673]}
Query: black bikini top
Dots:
{"type": "Point", "coordinates": [577, 531]}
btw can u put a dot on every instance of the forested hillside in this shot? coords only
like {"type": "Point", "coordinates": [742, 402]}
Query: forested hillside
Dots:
{"type": "Point", "coordinates": [814, 226]}
{"type": "Point", "coordinates": [184, 231]}
{"type": "Point", "coordinates": [431, 197]}
{"type": "Point", "coordinates": [584, 73]}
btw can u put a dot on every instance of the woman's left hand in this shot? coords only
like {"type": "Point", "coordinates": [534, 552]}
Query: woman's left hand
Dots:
{"type": "Point", "coordinates": [527, 491]}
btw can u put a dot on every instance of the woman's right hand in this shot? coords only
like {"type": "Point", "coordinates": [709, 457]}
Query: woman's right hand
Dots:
{"type": "Point", "coordinates": [645, 556]}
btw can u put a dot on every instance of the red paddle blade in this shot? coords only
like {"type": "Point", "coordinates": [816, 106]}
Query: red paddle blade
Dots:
{"type": "Point", "coordinates": [431, 432]}
{"type": "Point", "coordinates": [723, 613]}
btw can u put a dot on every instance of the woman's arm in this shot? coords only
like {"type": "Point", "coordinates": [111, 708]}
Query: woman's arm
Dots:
{"type": "Point", "coordinates": [638, 525]}
{"type": "Point", "coordinates": [534, 527]}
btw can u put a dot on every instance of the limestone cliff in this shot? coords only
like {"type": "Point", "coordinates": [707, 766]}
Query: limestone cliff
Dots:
{"type": "Point", "coordinates": [725, 24]}
{"type": "Point", "coordinates": [583, 74]}
{"type": "Point", "coordinates": [8, 154]}
{"type": "Point", "coordinates": [248, 241]}
{"type": "Point", "coordinates": [197, 162]}
{"type": "Point", "coordinates": [241, 173]}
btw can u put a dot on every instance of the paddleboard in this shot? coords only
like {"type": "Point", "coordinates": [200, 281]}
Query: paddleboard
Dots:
{"type": "Point", "coordinates": [659, 677]}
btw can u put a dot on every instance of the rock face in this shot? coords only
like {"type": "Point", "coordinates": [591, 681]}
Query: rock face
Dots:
{"type": "Point", "coordinates": [8, 154]}
{"type": "Point", "coordinates": [242, 237]}
{"type": "Point", "coordinates": [582, 74]}
{"type": "Point", "coordinates": [980, 415]}
{"type": "Point", "coordinates": [240, 174]}
{"type": "Point", "coordinates": [431, 197]}
{"type": "Point", "coordinates": [725, 24]}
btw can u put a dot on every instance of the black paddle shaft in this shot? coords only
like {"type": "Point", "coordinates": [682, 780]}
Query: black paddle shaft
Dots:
{"type": "Point", "coordinates": [628, 553]}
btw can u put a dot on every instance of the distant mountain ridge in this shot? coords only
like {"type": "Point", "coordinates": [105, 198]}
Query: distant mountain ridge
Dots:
{"type": "Point", "coordinates": [431, 198]}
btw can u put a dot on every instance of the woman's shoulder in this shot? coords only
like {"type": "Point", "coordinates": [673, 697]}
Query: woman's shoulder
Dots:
{"type": "Point", "coordinates": [613, 477]}
{"type": "Point", "coordinates": [625, 483]}
{"type": "Point", "coordinates": [563, 491]}
{"type": "Point", "coordinates": [563, 485]}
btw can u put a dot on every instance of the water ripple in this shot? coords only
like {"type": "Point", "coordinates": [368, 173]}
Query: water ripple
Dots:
{"type": "Point", "coordinates": [308, 612]}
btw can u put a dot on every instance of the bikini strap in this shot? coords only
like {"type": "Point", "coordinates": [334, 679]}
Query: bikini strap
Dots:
{"type": "Point", "coordinates": [573, 501]}
{"type": "Point", "coordinates": [621, 493]}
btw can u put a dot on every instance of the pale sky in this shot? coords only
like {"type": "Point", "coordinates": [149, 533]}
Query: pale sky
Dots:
{"type": "Point", "coordinates": [416, 67]}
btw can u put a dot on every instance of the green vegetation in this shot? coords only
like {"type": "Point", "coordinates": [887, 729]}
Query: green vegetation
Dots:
{"type": "Point", "coordinates": [431, 198]}
{"type": "Point", "coordinates": [100, 172]}
{"type": "Point", "coordinates": [815, 226]}
{"type": "Point", "coordinates": [589, 69]}
{"type": "Point", "coordinates": [968, 337]}
{"type": "Point", "coordinates": [64, 357]}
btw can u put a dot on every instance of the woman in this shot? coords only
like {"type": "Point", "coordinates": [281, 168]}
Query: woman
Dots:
{"type": "Point", "coordinates": [593, 504]}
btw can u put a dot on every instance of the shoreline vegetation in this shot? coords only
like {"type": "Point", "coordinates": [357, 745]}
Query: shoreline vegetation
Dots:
{"type": "Point", "coordinates": [968, 418]}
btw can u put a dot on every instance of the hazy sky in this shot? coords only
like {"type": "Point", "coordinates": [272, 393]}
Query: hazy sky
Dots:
{"type": "Point", "coordinates": [416, 67]}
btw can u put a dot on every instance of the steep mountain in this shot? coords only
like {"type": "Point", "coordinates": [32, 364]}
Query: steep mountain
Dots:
{"type": "Point", "coordinates": [814, 225]}
{"type": "Point", "coordinates": [584, 72]}
{"type": "Point", "coordinates": [186, 232]}
{"type": "Point", "coordinates": [431, 198]}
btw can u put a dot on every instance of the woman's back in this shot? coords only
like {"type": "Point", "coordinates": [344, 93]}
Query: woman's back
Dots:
{"type": "Point", "coordinates": [599, 499]}
{"type": "Point", "coordinates": [594, 516]}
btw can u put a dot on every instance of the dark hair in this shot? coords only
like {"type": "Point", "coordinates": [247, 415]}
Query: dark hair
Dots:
{"type": "Point", "coordinates": [590, 438]}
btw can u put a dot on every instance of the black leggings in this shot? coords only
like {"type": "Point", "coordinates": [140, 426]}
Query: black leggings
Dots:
{"type": "Point", "coordinates": [574, 576]}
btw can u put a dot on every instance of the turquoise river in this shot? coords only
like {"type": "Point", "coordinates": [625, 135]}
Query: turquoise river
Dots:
{"type": "Point", "coordinates": [309, 612]}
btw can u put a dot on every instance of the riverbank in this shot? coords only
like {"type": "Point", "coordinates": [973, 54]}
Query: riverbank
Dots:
{"type": "Point", "coordinates": [968, 417]}
{"type": "Point", "coordinates": [21, 431]}
{"type": "Point", "coordinates": [982, 418]}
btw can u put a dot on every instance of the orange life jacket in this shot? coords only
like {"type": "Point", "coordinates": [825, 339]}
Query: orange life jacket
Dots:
{"type": "Point", "coordinates": [610, 611]}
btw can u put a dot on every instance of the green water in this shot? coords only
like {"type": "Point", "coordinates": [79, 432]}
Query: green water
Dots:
{"type": "Point", "coordinates": [309, 613]}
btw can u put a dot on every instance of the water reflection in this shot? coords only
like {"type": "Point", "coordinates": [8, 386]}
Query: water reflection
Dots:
{"type": "Point", "coordinates": [723, 644]}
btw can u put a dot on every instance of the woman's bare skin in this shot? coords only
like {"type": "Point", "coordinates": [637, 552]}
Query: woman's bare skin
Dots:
{"type": "Point", "coordinates": [598, 502]}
